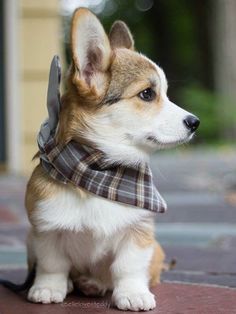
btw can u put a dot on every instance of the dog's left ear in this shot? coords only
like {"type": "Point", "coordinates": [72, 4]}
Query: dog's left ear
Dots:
{"type": "Point", "coordinates": [120, 36]}
{"type": "Point", "coordinates": [91, 51]}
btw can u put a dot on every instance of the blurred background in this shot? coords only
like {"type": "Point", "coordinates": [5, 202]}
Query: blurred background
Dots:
{"type": "Point", "coordinates": [195, 43]}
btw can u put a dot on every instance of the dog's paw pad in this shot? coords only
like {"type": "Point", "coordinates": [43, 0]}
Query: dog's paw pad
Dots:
{"type": "Point", "coordinates": [90, 286]}
{"type": "Point", "coordinates": [45, 295]}
{"type": "Point", "coordinates": [135, 302]}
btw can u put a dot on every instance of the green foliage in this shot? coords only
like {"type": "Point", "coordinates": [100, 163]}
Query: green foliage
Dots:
{"type": "Point", "coordinates": [217, 113]}
{"type": "Point", "coordinates": [206, 105]}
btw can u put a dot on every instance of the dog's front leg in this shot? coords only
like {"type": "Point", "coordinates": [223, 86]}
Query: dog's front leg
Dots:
{"type": "Point", "coordinates": [130, 273]}
{"type": "Point", "coordinates": [52, 268]}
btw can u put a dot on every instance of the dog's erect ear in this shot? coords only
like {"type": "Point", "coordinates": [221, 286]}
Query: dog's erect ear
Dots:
{"type": "Point", "coordinates": [120, 36]}
{"type": "Point", "coordinates": [91, 51]}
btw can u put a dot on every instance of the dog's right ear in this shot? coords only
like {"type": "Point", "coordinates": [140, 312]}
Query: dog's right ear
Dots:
{"type": "Point", "coordinates": [91, 51]}
{"type": "Point", "coordinates": [120, 36]}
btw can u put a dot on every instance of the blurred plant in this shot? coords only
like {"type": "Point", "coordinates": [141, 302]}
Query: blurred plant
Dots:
{"type": "Point", "coordinates": [209, 107]}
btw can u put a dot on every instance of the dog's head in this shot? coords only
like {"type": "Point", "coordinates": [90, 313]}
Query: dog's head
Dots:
{"type": "Point", "coordinates": [117, 98]}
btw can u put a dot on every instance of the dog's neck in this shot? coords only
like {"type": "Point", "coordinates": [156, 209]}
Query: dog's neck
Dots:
{"type": "Point", "coordinates": [120, 151]}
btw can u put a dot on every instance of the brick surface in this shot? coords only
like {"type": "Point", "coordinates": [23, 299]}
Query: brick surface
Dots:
{"type": "Point", "coordinates": [171, 298]}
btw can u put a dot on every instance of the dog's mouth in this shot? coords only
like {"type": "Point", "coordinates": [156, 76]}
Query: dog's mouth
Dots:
{"type": "Point", "coordinates": [154, 143]}
{"type": "Point", "coordinates": [153, 140]}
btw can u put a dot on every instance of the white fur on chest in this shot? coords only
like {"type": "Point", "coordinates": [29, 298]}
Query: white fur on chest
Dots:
{"type": "Point", "coordinates": [67, 210]}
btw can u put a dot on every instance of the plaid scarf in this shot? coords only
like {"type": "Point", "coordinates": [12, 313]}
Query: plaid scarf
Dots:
{"type": "Point", "coordinates": [88, 168]}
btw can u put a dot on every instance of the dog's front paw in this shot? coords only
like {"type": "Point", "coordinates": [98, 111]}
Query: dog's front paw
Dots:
{"type": "Point", "coordinates": [134, 301]}
{"type": "Point", "coordinates": [45, 295]}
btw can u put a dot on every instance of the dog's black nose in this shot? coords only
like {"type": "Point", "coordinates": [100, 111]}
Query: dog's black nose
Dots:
{"type": "Point", "coordinates": [192, 123]}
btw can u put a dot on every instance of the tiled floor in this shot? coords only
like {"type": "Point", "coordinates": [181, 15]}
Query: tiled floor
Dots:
{"type": "Point", "coordinates": [199, 229]}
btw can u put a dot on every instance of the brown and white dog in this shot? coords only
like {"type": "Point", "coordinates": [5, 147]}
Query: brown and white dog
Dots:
{"type": "Point", "coordinates": [115, 101]}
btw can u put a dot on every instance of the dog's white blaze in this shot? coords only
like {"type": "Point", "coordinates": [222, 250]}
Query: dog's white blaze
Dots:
{"type": "Point", "coordinates": [169, 125]}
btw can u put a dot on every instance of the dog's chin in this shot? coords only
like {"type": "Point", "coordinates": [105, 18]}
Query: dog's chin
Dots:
{"type": "Point", "coordinates": [157, 144]}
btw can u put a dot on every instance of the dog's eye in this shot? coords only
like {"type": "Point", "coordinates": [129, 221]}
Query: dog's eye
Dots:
{"type": "Point", "coordinates": [147, 94]}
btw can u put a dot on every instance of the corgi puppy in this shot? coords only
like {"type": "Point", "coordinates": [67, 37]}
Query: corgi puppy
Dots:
{"type": "Point", "coordinates": [116, 100]}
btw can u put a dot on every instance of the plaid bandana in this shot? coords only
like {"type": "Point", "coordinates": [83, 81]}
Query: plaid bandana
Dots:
{"type": "Point", "coordinates": [88, 168]}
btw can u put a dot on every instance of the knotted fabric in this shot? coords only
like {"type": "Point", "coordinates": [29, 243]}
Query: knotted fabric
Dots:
{"type": "Point", "coordinates": [87, 167]}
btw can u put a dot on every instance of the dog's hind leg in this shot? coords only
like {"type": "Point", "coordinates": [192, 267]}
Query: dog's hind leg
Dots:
{"type": "Point", "coordinates": [157, 264]}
